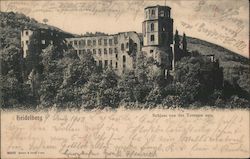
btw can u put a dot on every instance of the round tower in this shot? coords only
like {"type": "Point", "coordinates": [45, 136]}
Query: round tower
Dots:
{"type": "Point", "coordinates": [157, 29]}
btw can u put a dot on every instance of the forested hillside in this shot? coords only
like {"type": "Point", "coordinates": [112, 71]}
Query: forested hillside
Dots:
{"type": "Point", "coordinates": [236, 67]}
{"type": "Point", "coordinates": [65, 80]}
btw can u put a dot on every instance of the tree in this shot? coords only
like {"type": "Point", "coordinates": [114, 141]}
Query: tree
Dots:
{"type": "Point", "coordinates": [101, 90]}
{"type": "Point", "coordinates": [45, 20]}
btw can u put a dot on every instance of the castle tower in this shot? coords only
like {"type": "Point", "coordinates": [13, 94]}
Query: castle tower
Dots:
{"type": "Point", "coordinates": [157, 30]}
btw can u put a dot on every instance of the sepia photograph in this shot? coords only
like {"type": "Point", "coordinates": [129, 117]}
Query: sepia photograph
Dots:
{"type": "Point", "coordinates": [124, 79]}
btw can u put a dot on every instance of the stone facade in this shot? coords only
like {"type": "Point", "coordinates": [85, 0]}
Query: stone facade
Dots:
{"type": "Point", "coordinates": [116, 51]}
{"type": "Point", "coordinates": [34, 40]}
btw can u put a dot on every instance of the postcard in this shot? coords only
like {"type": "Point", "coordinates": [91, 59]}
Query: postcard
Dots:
{"type": "Point", "coordinates": [124, 79]}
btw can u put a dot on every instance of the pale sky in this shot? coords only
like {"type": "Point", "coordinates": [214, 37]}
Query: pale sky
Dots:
{"type": "Point", "coordinates": [224, 22]}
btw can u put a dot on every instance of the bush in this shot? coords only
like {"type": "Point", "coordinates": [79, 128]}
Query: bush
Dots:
{"type": "Point", "coordinates": [172, 101]}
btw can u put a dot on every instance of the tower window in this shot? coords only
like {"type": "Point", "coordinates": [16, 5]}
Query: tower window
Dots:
{"type": "Point", "coordinates": [162, 14]}
{"type": "Point", "coordinates": [27, 33]}
{"type": "Point", "coordinates": [153, 12]}
{"type": "Point", "coordinates": [168, 14]}
{"type": "Point", "coordinates": [122, 46]}
{"type": "Point", "coordinates": [152, 26]}
{"type": "Point", "coordinates": [116, 65]}
{"type": "Point", "coordinates": [152, 38]}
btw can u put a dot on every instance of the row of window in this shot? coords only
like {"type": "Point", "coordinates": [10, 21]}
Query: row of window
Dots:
{"type": "Point", "coordinates": [115, 49]}
{"type": "Point", "coordinates": [161, 13]}
{"type": "Point", "coordinates": [94, 42]}
{"type": "Point", "coordinates": [42, 42]}
{"type": "Point", "coordinates": [43, 32]}
{"type": "Point", "coordinates": [99, 51]}
{"type": "Point", "coordinates": [106, 64]}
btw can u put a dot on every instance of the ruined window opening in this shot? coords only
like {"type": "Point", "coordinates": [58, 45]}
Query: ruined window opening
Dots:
{"type": "Point", "coordinates": [122, 46]}
{"type": "Point", "coordinates": [110, 51]}
{"type": "Point", "coordinates": [110, 41]}
{"type": "Point", "coordinates": [111, 63]}
{"type": "Point", "coordinates": [105, 42]}
{"type": "Point", "coordinates": [43, 41]}
{"type": "Point", "coordinates": [106, 63]}
{"type": "Point", "coordinates": [100, 42]}
{"type": "Point", "coordinates": [124, 58]}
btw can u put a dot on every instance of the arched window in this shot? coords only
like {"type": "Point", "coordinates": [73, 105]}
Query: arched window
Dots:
{"type": "Point", "coordinates": [152, 26]}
